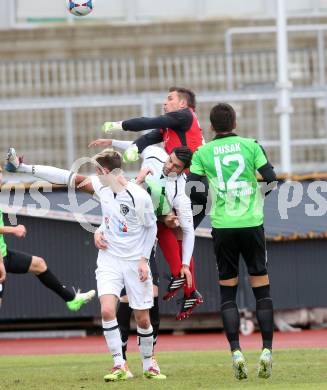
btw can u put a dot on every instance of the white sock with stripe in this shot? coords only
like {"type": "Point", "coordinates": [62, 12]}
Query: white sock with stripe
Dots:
{"type": "Point", "coordinates": [112, 335]}
{"type": "Point", "coordinates": [145, 342]}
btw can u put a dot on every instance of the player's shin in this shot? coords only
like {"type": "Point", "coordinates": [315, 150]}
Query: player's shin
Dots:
{"type": "Point", "coordinates": [124, 318]}
{"type": "Point", "coordinates": [264, 312]}
{"type": "Point", "coordinates": [145, 342]}
{"type": "Point", "coordinates": [114, 342]}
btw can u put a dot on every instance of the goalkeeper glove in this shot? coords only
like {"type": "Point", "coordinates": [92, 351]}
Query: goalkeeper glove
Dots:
{"type": "Point", "coordinates": [111, 126]}
{"type": "Point", "coordinates": [131, 154]}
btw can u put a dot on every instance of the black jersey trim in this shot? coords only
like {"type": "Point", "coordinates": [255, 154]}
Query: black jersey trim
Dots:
{"type": "Point", "coordinates": [131, 197]}
{"type": "Point", "coordinates": [155, 158]}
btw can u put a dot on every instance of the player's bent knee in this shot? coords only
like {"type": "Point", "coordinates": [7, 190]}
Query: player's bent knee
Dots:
{"type": "Point", "coordinates": [155, 291]}
{"type": "Point", "coordinates": [108, 314]}
{"type": "Point", "coordinates": [229, 282]}
{"type": "Point", "coordinates": [124, 299]}
{"type": "Point", "coordinates": [38, 265]}
{"type": "Point", "coordinates": [142, 318]}
{"type": "Point", "coordinates": [259, 280]}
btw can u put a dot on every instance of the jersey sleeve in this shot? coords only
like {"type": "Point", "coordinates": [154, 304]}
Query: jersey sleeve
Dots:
{"type": "Point", "coordinates": [96, 183]}
{"type": "Point", "coordinates": [151, 138]}
{"type": "Point", "coordinates": [260, 158]}
{"type": "Point", "coordinates": [196, 164]}
{"type": "Point", "coordinates": [182, 205]}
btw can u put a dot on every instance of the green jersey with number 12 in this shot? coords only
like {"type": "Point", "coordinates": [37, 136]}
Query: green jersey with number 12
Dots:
{"type": "Point", "coordinates": [230, 163]}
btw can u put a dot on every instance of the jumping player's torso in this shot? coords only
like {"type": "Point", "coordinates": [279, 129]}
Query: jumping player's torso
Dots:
{"type": "Point", "coordinates": [230, 163]}
{"type": "Point", "coordinates": [163, 189]}
{"type": "Point", "coordinates": [187, 133]}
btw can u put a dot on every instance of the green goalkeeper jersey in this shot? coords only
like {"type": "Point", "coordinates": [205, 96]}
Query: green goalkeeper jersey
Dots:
{"type": "Point", "coordinates": [230, 163]}
{"type": "Point", "coordinates": [3, 245]}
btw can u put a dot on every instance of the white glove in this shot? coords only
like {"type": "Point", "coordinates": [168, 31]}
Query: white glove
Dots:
{"type": "Point", "coordinates": [111, 126]}
{"type": "Point", "coordinates": [131, 154]}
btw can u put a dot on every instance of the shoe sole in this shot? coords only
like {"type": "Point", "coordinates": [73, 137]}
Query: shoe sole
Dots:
{"type": "Point", "coordinates": [240, 371]}
{"type": "Point", "coordinates": [186, 314]}
{"type": "Point", "coordinates": [264, 370]}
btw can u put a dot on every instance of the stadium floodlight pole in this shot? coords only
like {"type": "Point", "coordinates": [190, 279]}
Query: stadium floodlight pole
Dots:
{"type": "Point", "coordinates": [284, 108]}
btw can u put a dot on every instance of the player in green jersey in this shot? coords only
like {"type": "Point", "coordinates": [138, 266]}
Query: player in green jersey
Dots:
{"type": "Point", "coordinates": [230, 162]}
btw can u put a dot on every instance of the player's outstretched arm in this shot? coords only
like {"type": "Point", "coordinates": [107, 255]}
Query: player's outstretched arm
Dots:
{"type": "Point", "coordinates": [18, 231]}
{"type": "Point", "coordinates": [142, 123]}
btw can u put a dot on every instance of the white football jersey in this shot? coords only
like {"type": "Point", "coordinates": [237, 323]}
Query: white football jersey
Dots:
{"type": "Point", "coordinates": [125, 217]}
{"type": "Point", "coordinates": [155, 157]}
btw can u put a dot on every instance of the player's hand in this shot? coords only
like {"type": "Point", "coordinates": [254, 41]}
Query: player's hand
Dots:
{"type": "Point", "coordinates": [100, 142]}
{"type": "Point", "coordinates": [111, 126]}
{"type": "Point", "coordinates": [131, 154]}
{"type": "Point", "coordinates": [99, 240]}
{"type": "Point", "coordinates": [185, 271]}
{"type": "Point", "coordinates": [144, 172]}
{"type": "Point", "coordinates": [143, 269]}
{"type": "Point", "coordinates": [2, 271]}
{"type": "Point", "coordinates": [171, 220]}
{"type": "Point", "coordinates": [19, 231]}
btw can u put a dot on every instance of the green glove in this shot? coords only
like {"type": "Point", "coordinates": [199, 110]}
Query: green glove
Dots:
{"type": "Point", "coordinates": [111, 126]}
{"type": "Point", "coordinates": [131, 154]}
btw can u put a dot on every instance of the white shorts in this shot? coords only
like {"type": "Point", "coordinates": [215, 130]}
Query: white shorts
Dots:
{"type": "Point", "coordinates": [113, 275]}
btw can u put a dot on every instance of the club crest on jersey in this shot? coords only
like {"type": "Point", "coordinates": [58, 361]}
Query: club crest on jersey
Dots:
{"type": "Point", "coordinates": [124, 209]}
{"type": "Point", "coordinates": [123, 227]}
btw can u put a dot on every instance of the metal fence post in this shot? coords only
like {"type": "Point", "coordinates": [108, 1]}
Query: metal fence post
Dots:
{"type": "Point", "coordinates": [283, 105]}
{"type": "Point", "coordinates": [70, 144]}
{"type": "Point", "coordinates": [321, 56]}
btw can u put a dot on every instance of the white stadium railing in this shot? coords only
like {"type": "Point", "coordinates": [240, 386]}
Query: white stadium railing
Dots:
{"type": "Point", "coordinates": [127, 75]}
{"type": "Point", "coordinates": [57, 130]}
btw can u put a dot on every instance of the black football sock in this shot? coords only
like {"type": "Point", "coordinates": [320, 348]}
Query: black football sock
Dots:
{"type": "Point", "coordinates": [124, 321]}
{"type": "Point", "coordinates": [230, 315]}
{"type": "Point", "coordinates": [155, 319]}
{"type": "Point", "coordinates": [265, 314]}
{"type": "Point", "coordinates": [49, 280]}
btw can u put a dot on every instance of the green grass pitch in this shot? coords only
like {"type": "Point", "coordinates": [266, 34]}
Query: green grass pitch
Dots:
{"type": "Point", "coordinates": [292, 369]}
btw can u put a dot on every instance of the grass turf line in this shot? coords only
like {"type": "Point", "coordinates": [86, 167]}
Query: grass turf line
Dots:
{"type": "Point", "coordinates": [292, 369]}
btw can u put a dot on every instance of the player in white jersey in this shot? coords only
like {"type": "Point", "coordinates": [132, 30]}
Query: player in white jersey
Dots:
{"type": "Point", "coordinates": [167, 187]}
{"type": "Point", "coordinates": [128, 231]}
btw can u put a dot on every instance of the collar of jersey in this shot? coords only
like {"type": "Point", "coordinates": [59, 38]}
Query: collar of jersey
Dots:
{"type": "Point", "coordinates": [225, 135]}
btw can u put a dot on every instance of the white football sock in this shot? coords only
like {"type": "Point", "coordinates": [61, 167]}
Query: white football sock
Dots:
{"type": "Point", "coordinates": [112, 335]}
{"type": "Point", "coordinates": [145, 341]}
{"type": "Point", "coordinates": [48, 173]}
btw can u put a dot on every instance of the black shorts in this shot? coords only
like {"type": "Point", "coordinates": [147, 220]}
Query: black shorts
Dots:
{"type": "Point", "coordinates": [15, 263]}
{"type": "Point", "coordinates": [230, 243]}
{"type": "Point", "coordinates": [153, 268]}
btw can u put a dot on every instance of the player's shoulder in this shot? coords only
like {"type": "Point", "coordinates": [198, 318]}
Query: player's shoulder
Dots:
{"type": "Point", "coordinates": [180, 114]}
{"type": "Point", "coordinates": [137, 191]}
{"type": "Point", "coordinates": [98, 186]}
{"type": "Point", "coordinates": [155, 153]}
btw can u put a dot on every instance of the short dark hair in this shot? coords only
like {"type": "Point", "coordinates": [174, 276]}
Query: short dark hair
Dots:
{"type": "Point", "coordinates": [222, 117]}
{"type": "Point", "coordinates": [110, 159]}
{"type": "Point", "coordinates": [186, 94]}
{"type": "Point", "coordinates": [184, 154]}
